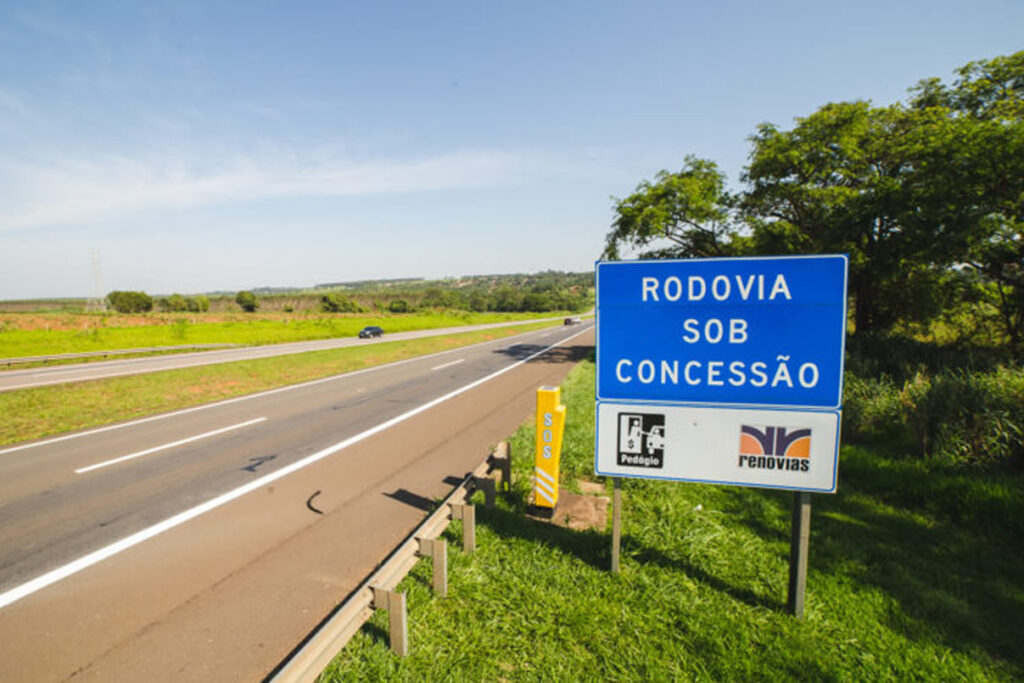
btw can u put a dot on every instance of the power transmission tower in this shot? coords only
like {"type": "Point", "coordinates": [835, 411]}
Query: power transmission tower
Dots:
{"type": "Point", "coordinates": [98, 302]}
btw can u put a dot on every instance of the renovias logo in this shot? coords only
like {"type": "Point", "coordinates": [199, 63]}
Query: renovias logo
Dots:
{"type": "Point", "coordinates": [775, 448]}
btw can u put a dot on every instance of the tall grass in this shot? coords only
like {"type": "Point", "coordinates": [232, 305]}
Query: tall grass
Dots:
{"type": "Point", "coordinates": [956, 415]}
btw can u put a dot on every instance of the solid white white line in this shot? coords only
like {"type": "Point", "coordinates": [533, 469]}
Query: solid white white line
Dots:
{"type": "Point", "coordinates": [247, 397]}
{"type": "Point", "coordinates": [44, 383]}
{"type": "Point", "coordinates": [164, 447]}
{"type": "Point", "coordinates": [448, 365]}
{"type": "Point", "coordinates": [59, 574]}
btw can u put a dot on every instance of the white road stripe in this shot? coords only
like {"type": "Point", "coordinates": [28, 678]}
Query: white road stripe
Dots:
{"type": "Point", "coordinates": [60, 573]}
{"type": "Point", "coordinates": [238, 399]}
{"type": "Point", "coordinates": [448, 365]}
{"type": "Point", "coordinates": [164, 447]}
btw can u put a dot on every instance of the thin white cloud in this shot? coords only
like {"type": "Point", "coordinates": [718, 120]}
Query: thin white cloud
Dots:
{"type": "Point", "coordinates": [66, 191]}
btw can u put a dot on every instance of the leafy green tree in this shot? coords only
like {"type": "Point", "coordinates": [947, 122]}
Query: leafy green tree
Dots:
{"type": "Point", "coordinates": [175, 303]}
{"type": "Point", "coordinates": [130, 302]}
{"type": "Point", "coordinates": [985, 179]}
{"type": "Point", "coordinates": [505, 299]}
{"type": "Point", "coordinates": [536, 302]}
{"type": "Point", "coordinates": [398, 306]}
{"type": "Point", "coordinates": [335, 303]}
{"type": "Point", "coordinates": [477, 301]}
{"type": "Point", "coordinates": [869, 182]}
{"type": "Point", "coordinates": [198, 304]}
{"type": "Point", "coordinates": [689, 210]}
{"type": "Point", "coordinates": [246, 300]}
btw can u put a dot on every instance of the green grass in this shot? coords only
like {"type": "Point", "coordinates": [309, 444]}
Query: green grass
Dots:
{"type": "Point", "coordinates": [44, 411]}
{"type": "Point", "coordinates": [897, 589]}
{"type": "Point", "coordinates": [92, 332]}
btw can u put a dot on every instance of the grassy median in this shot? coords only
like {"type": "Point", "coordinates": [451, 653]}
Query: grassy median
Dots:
{"type": "Point", "coordinates": [895, 591]}
{"type": "Point", "coordinates": [27, 334]}
{"type": "Point", "coordinates": [44, 411]}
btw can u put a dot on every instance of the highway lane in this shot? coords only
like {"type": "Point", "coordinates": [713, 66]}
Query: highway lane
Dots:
{"type": "Point", "coordinates": [64, 499]}
{"type": "Point", "coordinates": [11, 380]}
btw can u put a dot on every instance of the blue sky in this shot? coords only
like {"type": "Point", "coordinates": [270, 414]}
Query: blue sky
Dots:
{"type": "Point", "coordinates": [199, 146]}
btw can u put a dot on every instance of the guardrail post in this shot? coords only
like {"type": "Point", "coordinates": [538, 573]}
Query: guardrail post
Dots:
{"type": "Point", "coordinates": [437, 550]}
{"type": "Point", "coordinates": [467, 513]}
{"type": "Point", "coordinates": [503, 458]}
{"type": "Point", "coordinates": [398, 632]}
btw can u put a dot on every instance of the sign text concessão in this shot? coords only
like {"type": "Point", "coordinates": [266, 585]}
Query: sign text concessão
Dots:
{"type": "Point", "coordinates": [742, 332]}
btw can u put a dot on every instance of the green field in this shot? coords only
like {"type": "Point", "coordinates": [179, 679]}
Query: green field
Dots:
{"type": "Point", "coordinates": [60, 334]}
{"type": "Point", "coordinates": [44, 411]}
{"type": "Point", "coordinates": [898, 587]}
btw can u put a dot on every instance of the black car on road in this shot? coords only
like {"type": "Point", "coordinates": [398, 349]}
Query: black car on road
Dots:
{"type": "Point", "coordinates": [370, 331]}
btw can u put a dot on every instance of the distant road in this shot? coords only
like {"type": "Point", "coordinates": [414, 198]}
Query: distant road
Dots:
{"type": "Point", "coordinates": [82, 372]}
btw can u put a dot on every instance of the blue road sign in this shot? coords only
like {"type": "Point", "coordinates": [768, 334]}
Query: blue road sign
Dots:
{"type": "Point", "coordinates": [758, 332]}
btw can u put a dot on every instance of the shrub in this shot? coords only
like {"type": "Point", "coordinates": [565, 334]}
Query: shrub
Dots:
{"type": "Point", "coordinates": [399, 306]}
{"type": "Point", "coordinates": [175, 302]}
{"type": "Point", "coordinates": [972, 417]}
{"type": "Point", "coordinates": [246, 300]}
{"type": "Point", "coordinates": [198, 304]}
{"type": "Point", "coordinates": [335, 303]}
{"type": "Point", "coordinates": [130, 302]}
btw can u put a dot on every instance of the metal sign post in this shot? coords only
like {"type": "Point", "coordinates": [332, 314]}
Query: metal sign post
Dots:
{"type": "Point", "coordinates": [799, 544]}
{"type": "Point", "coordinates": [616, 523]}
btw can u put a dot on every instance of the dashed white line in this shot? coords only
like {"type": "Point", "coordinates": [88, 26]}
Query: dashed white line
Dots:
{"type": "Point", "coordinates": [448, 365]}
{"type": "Point", "coordinates": [166, 446]}
{"type": "Point", "coordinates": [60, 573]}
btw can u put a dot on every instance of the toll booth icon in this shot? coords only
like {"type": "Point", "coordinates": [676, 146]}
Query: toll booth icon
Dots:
{"type": "Point", "coordinates": [641, 440]}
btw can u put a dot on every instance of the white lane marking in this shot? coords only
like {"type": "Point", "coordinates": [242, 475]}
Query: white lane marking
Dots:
{"type": "Point", "coordinates": [164, 447]}
{"type": "Point", "coordinates": [247, 397]}
{"type": "Point", "coordinates": [448, 365]}
{"type": "Point", "coordinates": [60, 573]}
{"type": "Point", "coordinates": [45, 383]}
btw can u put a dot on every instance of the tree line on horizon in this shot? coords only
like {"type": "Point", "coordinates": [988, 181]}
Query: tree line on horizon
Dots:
{"type": "Point", "coordinates": [541, 292]}
{"type": "Point", "coordinates": [926, 196]}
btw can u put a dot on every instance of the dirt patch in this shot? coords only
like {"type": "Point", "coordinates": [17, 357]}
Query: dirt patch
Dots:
{"type": "Point", "coordinates": [579, 511]}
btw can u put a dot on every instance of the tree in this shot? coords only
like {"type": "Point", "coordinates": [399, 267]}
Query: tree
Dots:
{"type": "Point", "coordinates": [130, 302]}
{"type": "Point", "coordinates": [335, 303]}
{"type": "Point", "coordinates": [199, 303]}
{"type": "Point", "coordinates": [175, 302]}
{"type": "Point", "coordinates": [398, 306]}
{"type": "Point", "coordinates": [986, 103]}
{"type": "Point", "coordinates": [691, 210]}
{"type": "Point", "coordinates": [246, 300]}
{"type": "Point", "coordinates": [870, 182]}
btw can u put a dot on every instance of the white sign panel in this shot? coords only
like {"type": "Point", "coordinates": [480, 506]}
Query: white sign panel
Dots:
{"type": "Point", "coordinates": [785, 449]}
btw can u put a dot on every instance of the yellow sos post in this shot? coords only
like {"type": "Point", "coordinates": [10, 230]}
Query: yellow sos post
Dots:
{"type": "Point", "coordinates": [550, 427]}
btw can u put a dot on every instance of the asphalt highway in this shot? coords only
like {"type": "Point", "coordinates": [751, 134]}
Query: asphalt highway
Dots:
{"type": "Point", "coordinates": [27, 378]}
{"type": "Point", "coordinates": [205, 544]}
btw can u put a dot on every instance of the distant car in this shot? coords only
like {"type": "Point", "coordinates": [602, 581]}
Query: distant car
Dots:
{"type": "Point", "coordinates": [572, 321]}
{"type": "Point", "coordinates": [370, 331]}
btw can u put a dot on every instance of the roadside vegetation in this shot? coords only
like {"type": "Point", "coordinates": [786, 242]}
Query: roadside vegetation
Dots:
{"type": "Point", "coordinates": [916, 572]}
{"type": "Point", "coordinates": [23, 335]}
{"type": "Point", "coordinates": [45, 411]}
{"type": "Point", "coordinates": [137, 320]}
{"type": "Point", "coordinates": [916, 563]}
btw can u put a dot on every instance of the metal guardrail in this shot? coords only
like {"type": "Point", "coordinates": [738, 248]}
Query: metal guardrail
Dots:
{"type": "Point", "coordinates": [112, 352]}
{"type": "Point", "coordinates": [377, 591]}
